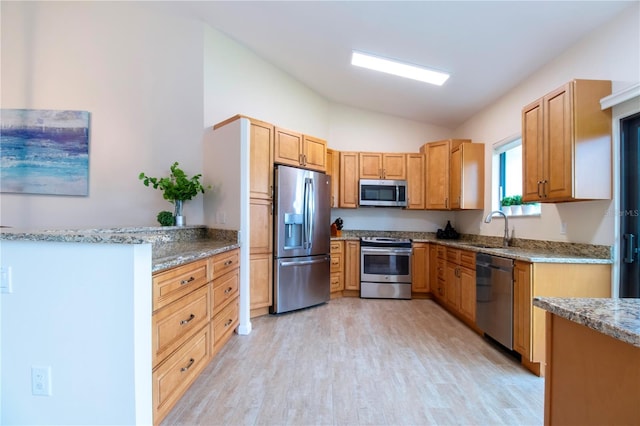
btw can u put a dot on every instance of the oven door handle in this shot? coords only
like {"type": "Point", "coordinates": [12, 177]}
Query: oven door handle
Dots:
{"type": "Point", "coordinates": [389, 250]}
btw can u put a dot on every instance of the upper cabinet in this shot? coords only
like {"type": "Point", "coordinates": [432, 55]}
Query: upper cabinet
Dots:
{"type": "Point", "coordinates": [296, 149]}
{"type": "Point", "coordinates": [415, 181]}
{"type": "Point", "coordinates": [566, 144]}
{"type": "Point", "coordinates": [376, 165]}
{"type": "Point", "coordinates": [333, 170]}
{"type": "Point", "coordinates": [348, 197]}
{"type": "Point", "coordinates": [261, 160]}
{"type": "Point", "coordinates": [454, 174]}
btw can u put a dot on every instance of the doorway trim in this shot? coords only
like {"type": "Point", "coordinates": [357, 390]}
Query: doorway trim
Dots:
{"type": "Point", "coordinates": [624, 103]}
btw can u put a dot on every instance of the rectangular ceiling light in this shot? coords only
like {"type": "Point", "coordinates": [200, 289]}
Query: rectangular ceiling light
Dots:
{"type": "Point", "coordinates": [397, 68]}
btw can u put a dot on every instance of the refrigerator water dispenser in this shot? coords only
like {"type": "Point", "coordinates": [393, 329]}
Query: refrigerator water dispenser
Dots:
{"type": "Point", "coordinates": [293, 231]}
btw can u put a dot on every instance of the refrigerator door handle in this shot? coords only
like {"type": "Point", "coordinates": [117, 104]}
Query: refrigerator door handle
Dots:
{"type": "Point", "coordinates": [312, 212]}
{"type": "Point", "coordinates": [303, 262]}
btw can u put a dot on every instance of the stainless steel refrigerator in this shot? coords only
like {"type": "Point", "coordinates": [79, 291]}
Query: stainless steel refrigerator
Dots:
{"type": "Point", "coordinates": [301, 230]}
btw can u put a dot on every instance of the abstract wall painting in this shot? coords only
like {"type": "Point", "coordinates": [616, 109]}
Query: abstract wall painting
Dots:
{"type": "Point", "coordinates": [44, 152]}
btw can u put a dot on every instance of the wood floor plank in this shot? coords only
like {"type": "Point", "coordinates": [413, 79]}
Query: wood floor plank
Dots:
{"type": "Point", "coordinates": [362, 362]}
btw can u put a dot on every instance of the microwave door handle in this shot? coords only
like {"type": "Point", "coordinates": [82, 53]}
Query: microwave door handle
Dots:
{"type": "Point", "coordinates": [398, 194]}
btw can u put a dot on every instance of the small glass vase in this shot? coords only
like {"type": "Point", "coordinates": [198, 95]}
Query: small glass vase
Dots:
{"type": "Point", "coordinates": [179, 218]}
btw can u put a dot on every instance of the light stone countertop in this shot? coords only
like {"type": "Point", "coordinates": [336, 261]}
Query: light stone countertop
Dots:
{"type": "Point", "coordinates": [533, 251]}
{"type": "Point", "coordinates": [617, 318]}
{"type": "Point", "coordinates": [171, 245]}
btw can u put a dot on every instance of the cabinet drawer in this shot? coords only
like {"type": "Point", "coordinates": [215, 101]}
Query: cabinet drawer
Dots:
{"type": "Point", "coordinates": [441, 266]}
{"type": "Point", "coordinates": [336, 263]}
{"type": "Point", "coordinates": [225, 288]}
{"type": "Point", "coordinates": [171, 285]}
{"type": "Point", "coordinates": [441, 251]}
{"type": "Point", "coordinates": [336, 247]}
{"type": "Point", "coordinates": [468, 259]}
{"type": "Point", "coordinates": [453, 255]}
{"type": "Point", "coordinates": [224, 262]}
{"type": "Point", "coordinates": [224, 323]}
{"type": "Point", "coordinates": [337, 281]}
{"type": "Point", "coordinates": [174, 324]}
{"type": "Point", "coordinates": [175, 375]}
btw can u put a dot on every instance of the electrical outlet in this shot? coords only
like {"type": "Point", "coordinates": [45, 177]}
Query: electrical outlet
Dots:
{"type": "Point", "coordinates": [41, 380]}
{"type": "Point", "coordinates": [6, 283]}
{"type": "Point", "coordinates": [563, 228]}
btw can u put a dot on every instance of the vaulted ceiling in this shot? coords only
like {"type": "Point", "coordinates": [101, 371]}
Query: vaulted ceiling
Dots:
{"type": "Point", "coordinates": [489, 47]}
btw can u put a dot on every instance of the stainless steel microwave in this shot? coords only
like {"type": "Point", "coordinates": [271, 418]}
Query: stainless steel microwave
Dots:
{"type": "Point", "coordinates": [383, 193]}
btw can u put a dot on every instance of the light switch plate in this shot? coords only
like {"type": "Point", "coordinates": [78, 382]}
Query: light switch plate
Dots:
{"type": "Point", "coordinates": [6, 283]}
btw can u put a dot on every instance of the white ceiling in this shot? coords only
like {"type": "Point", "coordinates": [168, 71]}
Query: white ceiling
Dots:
{"type": "Point", "coordinates": [487, 46]}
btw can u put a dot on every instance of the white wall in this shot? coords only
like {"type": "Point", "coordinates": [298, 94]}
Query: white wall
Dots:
{"type": "Point", "coordinates": [612, 52]}
{"type": "Point", "coordinates": [85, 311]}
{"type": "Point", "coordinates": [139, 71]}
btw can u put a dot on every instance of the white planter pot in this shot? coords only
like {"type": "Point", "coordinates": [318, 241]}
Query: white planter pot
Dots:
{"type": "Point", "coordinates": [516, 210]}
{"type": "Point", "coordinates": [506, 210]}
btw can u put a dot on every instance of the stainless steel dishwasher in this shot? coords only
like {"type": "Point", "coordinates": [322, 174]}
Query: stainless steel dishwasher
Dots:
{"type": "Point", "coordinates": [494, 297]}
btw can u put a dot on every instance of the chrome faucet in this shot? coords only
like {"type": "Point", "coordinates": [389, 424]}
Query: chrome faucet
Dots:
{"type": "Point", "coordinates": [505, 239]}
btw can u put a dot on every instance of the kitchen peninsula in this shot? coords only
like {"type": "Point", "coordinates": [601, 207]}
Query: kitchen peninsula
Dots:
{"type": "Point", "coordinates": [99, 306]}
{"type": "Point", "coordinates": [593, 361]}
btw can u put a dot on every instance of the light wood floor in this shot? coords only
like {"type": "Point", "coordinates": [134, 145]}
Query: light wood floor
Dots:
{"type": "Point", "coordinates": [362, 362]}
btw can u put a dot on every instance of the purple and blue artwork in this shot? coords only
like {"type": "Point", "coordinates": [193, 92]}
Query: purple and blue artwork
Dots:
{"type": "Point", "coordinates": [44, 152]}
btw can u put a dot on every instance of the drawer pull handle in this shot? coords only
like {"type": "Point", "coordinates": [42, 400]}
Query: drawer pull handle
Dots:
{"type": "Point", "coordinates": [228, 262]}
{"type": "Point", "coordinates": [229, 290]}
{"type": "Point", "coordinates": [183, 282]}
{"type": "Point", "coordinates": [187, 321]}
{"type": "Point", "coordinates": [191, 361]}
{"type": "Point", "coordinates": [228, 323]}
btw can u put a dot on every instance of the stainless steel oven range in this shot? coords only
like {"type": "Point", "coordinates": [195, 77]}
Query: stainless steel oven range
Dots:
{"type": "Point", "coordinates": [385, 268]}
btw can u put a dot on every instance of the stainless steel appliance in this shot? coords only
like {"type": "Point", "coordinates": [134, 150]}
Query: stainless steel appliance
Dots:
{"type": "Point", "coordinates": [301, 238]}
{"type": "Point", "coordinates": [383, 193]}
{"type": "Point", "coordinates": [494, 297]}
{"type": "Point", "coordinates": [385, 268]}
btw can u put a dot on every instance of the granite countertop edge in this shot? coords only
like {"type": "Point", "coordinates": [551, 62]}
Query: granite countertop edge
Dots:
{"type": "Point", "coordinates": [617, 318]}
{"type": "Point", "coordinates": [516, 253]}
{"type": "Point", "coordinates": [186, 252]}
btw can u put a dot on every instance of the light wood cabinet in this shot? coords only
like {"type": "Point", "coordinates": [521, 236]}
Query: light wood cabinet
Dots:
{"type": "Point", "coordinates": [261, 160]}
{"type": "Point", "coordinates": [466, 184]}
{"type": "Point", "coordinates": [415, 181]}
{"type": "Point", "coordinates": [454, 174]}
{"type": "Point", "coordinates": [352, 265]}
{"type": "Point", "coordinates": [460, 284]}
{"type": "Point", "coordinates": [439, 253]}
{"type": "Point", "coordinates": [551, 280]}
{"type": "Point", "coordinates": [376, 165]}
{"type": "Point", "coordinates": [295, 149]}
{"type": "Point", "coordinates": [337, 267]}
{"type": "Point", "coordinates": [261, 283]}
{"type": "Point", "coordinates": [566, 144]}
{"type": "Point", "coordinates": [333, 170]}
{"type": "Point", "coordinates": [348, 197]}
{"type": "Point", "coordinates": [420, 268]}
{"type": "Point", "coordinates": [188, 302]}
{"type": "Point", "coordinates": [261, 223]}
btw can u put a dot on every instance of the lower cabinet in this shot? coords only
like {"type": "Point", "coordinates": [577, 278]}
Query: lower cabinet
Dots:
{"type": "Point", "coordinates": [337, 268]}
{"type": "Point", "coordinates": [352, 265]}
{"type": "Point", "coordinates": [456, 282]}
{"type": "Point", "coordinates": [195, 311]}
{"type": "Point", "coordinates": [550, 280]}
{"type": "Point", "coordinates": [420, 269]}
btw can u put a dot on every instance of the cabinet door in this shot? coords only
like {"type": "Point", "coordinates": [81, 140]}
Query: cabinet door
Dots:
{"type": "Point", "coordinates": [333, 170]}
{"type": "Point", "coordinates": [287, 147]}
{"type": "Point", "coordinates": [261, 222]}
{"type": "Point", "coordinates": [467, 279]}
{"type": "Point", "coordinates": [522, 309]}
{"type": "Point", "coordinates": [532, 152]}
{"type": "Point", "coordinates": [370, 165]}
{"type": "Point", "coordinates": [437, 190]}
{"type": "Point", "coordinates": [352, 265]}
{"type": "Point", "coordinates": [452, 286]}
{"type": "Point", "coordinates": [261, 160]}
{"type": "Point", "coordinates": [314, 153]}
{"type": "Point", "coordinates": [348, 197]}
{"type": "Point", "coordinates": [455, 178]}
{"type": "Point", "coordinates": [467, 177]}
{"type": "Point", "coordinates": [261, 269]}
{"type": "Point", "coordinates": [415, 181]}
{"type": "Point", "coordinates": [394, 166]}
{"type": "Point", "coordinates": [420, 268]}
{"type": "Point", "coordinates": [558, 144]}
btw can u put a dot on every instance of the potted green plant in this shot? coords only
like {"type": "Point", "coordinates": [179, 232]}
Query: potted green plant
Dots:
{"type": "Point", "coordinates": [506, 205]}
{"type": "Point", "coordinates": [516, 205]}
{"type": "Point", "coordinates": [176, 188]}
